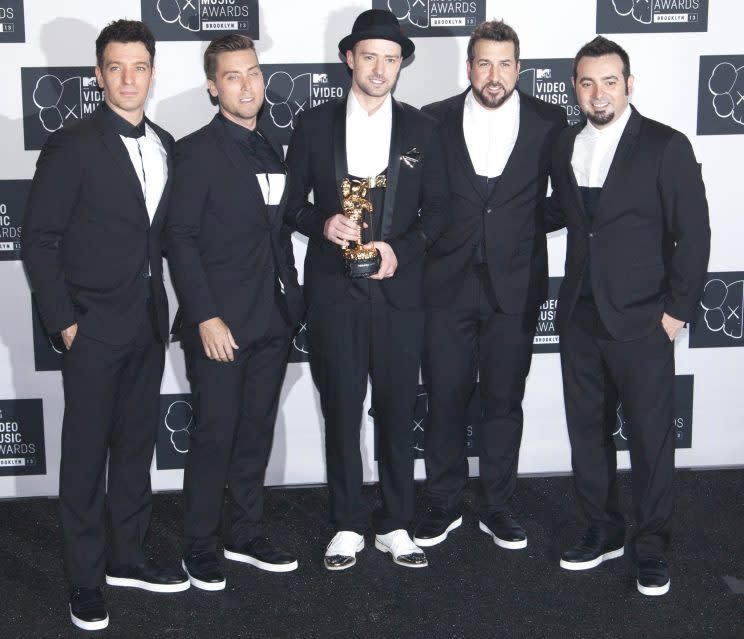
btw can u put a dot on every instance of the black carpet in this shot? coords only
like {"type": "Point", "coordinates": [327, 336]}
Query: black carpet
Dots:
{"type": "Point", "coordinates": [472, 589]}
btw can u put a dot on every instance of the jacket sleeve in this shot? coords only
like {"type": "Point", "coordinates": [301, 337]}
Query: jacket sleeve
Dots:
{"type": "Point", "coordinates": [54, 193]}
{"type": "Point", "coordinates": [434, 214]}
{"type": "Point", "coordinates": [299, 213]}
{"type": "Point", "coordinates": [685, 209]}
{"type": "Point", "coordinates": [185, 217]}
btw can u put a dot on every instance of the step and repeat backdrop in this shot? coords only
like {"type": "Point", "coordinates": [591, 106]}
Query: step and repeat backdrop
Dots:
{"type": "Point", "coordinates": [688, 59]}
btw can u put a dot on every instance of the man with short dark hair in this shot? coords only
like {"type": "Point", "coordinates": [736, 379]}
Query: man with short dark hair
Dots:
{"type": "Point", "coordinates": [485, 281]}
{"type": "Point", "coordinates": [368, 328]}
{"type": "Point", "coordinates": [92, 248]}
{"type": "Point", "coordinates": [232, 264]}
{"type": "Point", "coordinates": [631, 195]}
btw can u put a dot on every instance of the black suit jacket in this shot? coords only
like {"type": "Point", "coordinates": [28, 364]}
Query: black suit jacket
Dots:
{"type": "Point", "coordinates": [415, 212]}
{"type": "Point", "coordinates": [224, 250]}
{"type": "Point", "coordinates": [512, 216]}
{"type": "Point", "coordinates": [649, 240]}
{"type": "Point", "coordinates": [87, 235]}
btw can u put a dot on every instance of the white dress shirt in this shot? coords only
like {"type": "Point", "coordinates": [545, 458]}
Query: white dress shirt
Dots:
{"type": "Point", "coordinates": [594, 150]}
{"type": "Point", "coordinates": [490, 134]}
{"type": "Point", "coordinates": [150, 163]}
{"type": "Point", "coordinates": [367, 137]}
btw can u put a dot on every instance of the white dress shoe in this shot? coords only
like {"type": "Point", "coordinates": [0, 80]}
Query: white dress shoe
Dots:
{"type": "Point", "coordinates": [341, 552]}
{"type": "Point", "coordinates": [403, 550]}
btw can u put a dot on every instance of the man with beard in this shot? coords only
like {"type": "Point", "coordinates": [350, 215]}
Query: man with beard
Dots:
{"type": "Point", "coordinates": [485, 281]}
{"type": "Point", "coordinates": [630, 193]}
{"type": "Point", "coordinates": [232, 264]}
{"type": "Point", "coordinates": [368, 328]}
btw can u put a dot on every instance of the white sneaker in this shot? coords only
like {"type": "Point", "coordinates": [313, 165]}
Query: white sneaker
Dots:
{"type": "Point", "coordinates": [403, 550]}
{"type": "Point", "coordinates": [341, 552]}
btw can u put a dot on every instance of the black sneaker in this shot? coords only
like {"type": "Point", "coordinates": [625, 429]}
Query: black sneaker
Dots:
{"type": "Point", "coordinates": [88, 609]}
{"type": "Point", "coordinates": [505, 530]}
{"type": "Point", "coordinates": [261, 553]}
{"type": "Point", "coordinates": [204, 571]}
{"type": "Point", "coordinates": [435, 525]}
{"type": "Point", "coordinates": [594, 548]}
{"type": "Point", "coordinates": [653, 577]}
{"type": "Point", "coordinates": [147, 576]}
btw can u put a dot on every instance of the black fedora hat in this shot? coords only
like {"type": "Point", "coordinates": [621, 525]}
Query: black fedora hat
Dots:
{"type": "Point", "coordinates": [377, 24]}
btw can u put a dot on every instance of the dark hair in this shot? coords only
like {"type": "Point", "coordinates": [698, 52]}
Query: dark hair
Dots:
{"type": "Point", "coordinates": [602, 46]}
{"type": "Point", "coordinates": [496, 30]}
{"type": "Point", "coordinates": [230, 42]}
{"type": "Point", "coordinates": [125, 31]}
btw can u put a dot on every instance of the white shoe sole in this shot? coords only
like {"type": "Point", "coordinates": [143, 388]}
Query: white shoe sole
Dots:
{"type": "Point", "coordinates": [88, 625]}
{"type": "Point", "coordinates": [588, 565]}
{"type": "Point", "coordinates": [433, 541]}
{"type": "Point", "coordinates": [502, 543]}
{"type": "Point", "coordinates": [263, 565]}
{"type": "Point", "coordinates": [380, 546]}
{"type": "Point", "coordinates": [144, 585]}
{"type": "Point", "coordinates": [654, 591]}
{"type": "Point", "coordinates": [359, 548]}
{"type": "Point", "coordinates": [204, 585]}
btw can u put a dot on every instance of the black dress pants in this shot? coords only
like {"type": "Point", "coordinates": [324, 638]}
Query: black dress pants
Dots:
{"type": "Point", "coordinates": [112, 403]}
{"type": "Point", "coordinates": [595, 370]}
{"type": "Point", "coordinates": [235, 405]}
{"type": "Point", "coordinates": [349, 343]}
{"type": "Point", "coordinates": [474, 336]}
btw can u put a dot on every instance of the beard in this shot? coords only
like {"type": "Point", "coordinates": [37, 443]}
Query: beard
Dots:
{"type": "Point", "coordinates": [491, 102]}
{"type": "Point", "coordinates": [600, 119]}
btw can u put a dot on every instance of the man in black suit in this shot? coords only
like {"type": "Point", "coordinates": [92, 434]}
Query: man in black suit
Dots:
{"type": "Point", "coordinates": [92, 248]}
{"type": "Point", "coordinates": [360, 328]}
{"type": "Point", "coordinates": [233, 267]}
{"type": "Point", "coordinates": [631, 195]}
{"type": "Point", "coordinates": [485, 280]}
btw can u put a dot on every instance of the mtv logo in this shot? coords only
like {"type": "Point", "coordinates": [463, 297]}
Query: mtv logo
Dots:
{"type": "Point", "coordinates": [320, 78]}
{"type": "Point", "coordinates": [544, 74]}
{"type": "Point", "coordinates": [90, 81]}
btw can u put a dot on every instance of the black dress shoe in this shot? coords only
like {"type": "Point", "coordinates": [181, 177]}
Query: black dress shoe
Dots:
{"type": "Point", "coordinates": [147, 576]}
{"type": "Point", "coordinates": [261, 553]}
{"type": "Point", "coordinates": [88, 609]}
{"type": "Point", "coordinates": [653, 577]}
{"type": "Point", "coordinates": [434, 527]}
{"type": "Point", "coordinates": [505, 530]}
{"type": "Point", "coordinates": [204, 571]}
{"type": "Point", "coordinates": [594, 548]}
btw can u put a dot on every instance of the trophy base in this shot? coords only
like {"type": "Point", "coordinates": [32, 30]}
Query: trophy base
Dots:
{"type": "Point", "coordinates": [362, 268]}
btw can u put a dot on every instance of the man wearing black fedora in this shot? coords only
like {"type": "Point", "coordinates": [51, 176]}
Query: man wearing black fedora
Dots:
{"type": "Point", "coordinates": [371, 327]}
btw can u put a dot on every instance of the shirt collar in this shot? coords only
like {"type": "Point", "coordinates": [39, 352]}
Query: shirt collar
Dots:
{"type": "Point", "coordinates": [120, 125]}
{"type": "Point", "coordinates": [508, 109]}
{"type": "Point", "coordinates": [237, 132]}
{"type": "Point", "coordinates": [355, 110]}
{"type": "Point", "coordinates": [611, 131]}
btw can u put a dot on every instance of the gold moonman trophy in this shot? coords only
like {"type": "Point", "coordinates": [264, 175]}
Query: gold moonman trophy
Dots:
{"type": "Point", "coordinates": [359, 261]}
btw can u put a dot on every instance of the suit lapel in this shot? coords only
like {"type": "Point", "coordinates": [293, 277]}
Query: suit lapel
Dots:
{"type": "Point", "coordinates": [340, 166]}
{"type": "Point", "coordinates": [524, 147]}
{"type": "Point", "coordinates": [274, 210]}
{"type": "Point", "coordinates": [245, 171]}
{"type": "Point", "coordinates": [568, 156]}
{"type": "Point", "coordinates": [455, 134]}
{"type": "Point", "coordinates": [393, 168]}
{"type": "Point", "coordinates": [620, 160]}
{"type": "Point", "coordinates": [162, 204]}
{"type": "Point", "coordinates": [116, 147]}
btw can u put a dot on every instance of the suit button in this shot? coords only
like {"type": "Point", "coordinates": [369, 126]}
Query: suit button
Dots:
{"type": "Point", "coordinates": [489, 210]}
{"type": "Point", "coordinates": [591, 234]}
